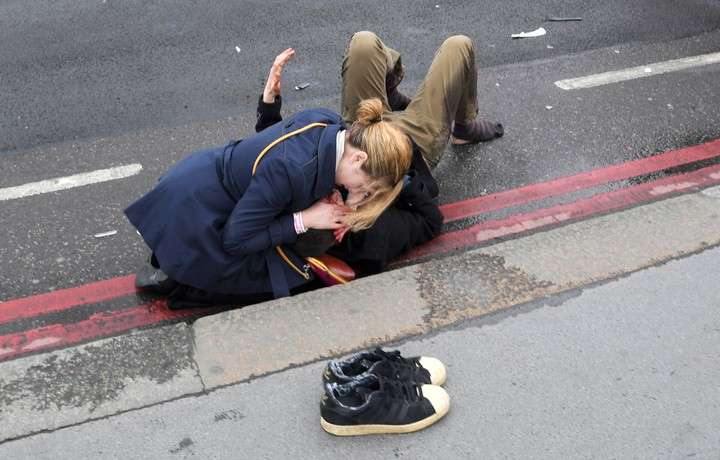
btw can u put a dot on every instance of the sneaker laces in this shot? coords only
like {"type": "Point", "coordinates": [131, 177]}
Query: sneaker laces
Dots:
{"type": "Point", "coordinates": [396, 359]}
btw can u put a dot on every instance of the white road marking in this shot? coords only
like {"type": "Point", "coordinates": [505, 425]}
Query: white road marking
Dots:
{"type": "Point", "coordinates": [631, 73]}
{"type": "Point", "coordinates": [63, 183]}
{"type": "Point", "coordinates": [712, 192]}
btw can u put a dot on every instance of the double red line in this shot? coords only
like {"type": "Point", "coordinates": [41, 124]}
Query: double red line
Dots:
{"type": "Point", "coordinates": [103, 324]}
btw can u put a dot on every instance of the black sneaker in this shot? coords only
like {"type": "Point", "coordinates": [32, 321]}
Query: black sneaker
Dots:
{"type": "Point", "coordinates": [375, 405]}
{"type": "Point", "coordinates": [418, 369]}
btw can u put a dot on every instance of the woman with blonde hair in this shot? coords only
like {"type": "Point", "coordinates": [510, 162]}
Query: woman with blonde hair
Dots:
{"type": "Point", "coordinates": [222, 222]}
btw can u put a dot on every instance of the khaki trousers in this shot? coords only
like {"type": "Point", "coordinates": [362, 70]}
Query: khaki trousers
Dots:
{"type": "Point", "coordinates": [448, 93]}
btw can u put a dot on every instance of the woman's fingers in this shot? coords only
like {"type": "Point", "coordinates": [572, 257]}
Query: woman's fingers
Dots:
{"type": "Point", "coordinates": [340, 233]}
{"type": "Point", "coordinates": [273, 87]}
{"type": "Point", "coordinates": [284, 57]}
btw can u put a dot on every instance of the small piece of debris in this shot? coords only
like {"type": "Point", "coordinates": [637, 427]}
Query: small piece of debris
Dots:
{"type": "Point", "coordinates": [548, 107]}
{"type": "Point", "coordinates": [104, 234]}
{"type": "Point", "coordinates": [550, 47]}
{"type": "Point", "coordinates": [539, 32]}
{"type": "Point", "coordinates": [237, 48]}
{"type": "Point", "coordinates": [561, 19]}
{"type": "Point", "coordinates": [301, 86]}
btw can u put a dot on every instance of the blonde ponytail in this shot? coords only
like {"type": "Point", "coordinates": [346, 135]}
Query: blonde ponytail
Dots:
{"type": "Point", "coordinates": [389, 153]}
{"type": "Point", "coordinates": [369, 111]}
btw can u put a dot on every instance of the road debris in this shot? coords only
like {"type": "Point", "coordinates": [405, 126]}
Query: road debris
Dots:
{"type": "Point", "coordinates": [301, 86]}
{"type": "Point", "coordinates": [539, 32]}
{"type": "Point", "coordinates": [104, 234]}
{"type": "Point", "coordinates": [561, 19]}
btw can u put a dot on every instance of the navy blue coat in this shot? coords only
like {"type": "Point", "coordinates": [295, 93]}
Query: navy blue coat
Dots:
{"type": "Point", "coordinates": [213, 225]}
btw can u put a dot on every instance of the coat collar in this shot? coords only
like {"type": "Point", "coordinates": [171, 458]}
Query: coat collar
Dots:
{"type": "Point", "coordinates": [326, 161]}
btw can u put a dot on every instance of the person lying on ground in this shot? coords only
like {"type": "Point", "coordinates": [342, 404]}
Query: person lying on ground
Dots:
{"type": "Point", "coordinates": [413, 218]}
{"type": "Point", "coordinates": [221, 223]}
{"type": "Point", "coordinates": [443, 108]}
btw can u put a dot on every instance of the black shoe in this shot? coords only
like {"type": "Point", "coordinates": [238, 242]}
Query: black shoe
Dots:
{"type": "Point", "coordinates": [478, 130]}
{"type": "Point", "coordinates": [153, 279]}
{"type": "Point", "coordinates": [418, 369]}
{"type": "Point", "coordinates": [374, 405]}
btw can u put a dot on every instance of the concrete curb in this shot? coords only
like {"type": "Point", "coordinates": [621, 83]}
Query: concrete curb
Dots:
{"type": "Point", "coordinates": [53, 390]}
{"type": "Point", "coordinates": [238, 345]}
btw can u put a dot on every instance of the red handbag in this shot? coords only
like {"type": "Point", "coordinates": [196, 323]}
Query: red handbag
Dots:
{"type": "Point", "coordinates": [331, 270]}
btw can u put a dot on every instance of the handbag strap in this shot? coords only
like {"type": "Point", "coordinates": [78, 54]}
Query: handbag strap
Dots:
{"type": "Point", "coordinates": [259, 158]}
{"type": "Point", "coordinates": [321, 265]}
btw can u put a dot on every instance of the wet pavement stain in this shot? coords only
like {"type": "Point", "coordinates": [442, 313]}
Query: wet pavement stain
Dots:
{"type": "Point", "coordinates": [89, 377]}
{"type": "Point", "coordinates": [184, 444]}
{"type": "Point", "coordinates": [229, 416]}
{"type": "Point", "coordinates": [461, 287]}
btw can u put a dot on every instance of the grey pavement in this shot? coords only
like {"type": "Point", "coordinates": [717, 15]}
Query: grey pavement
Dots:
{"type": "Point", "coordinates": [74, 385]}
{"type": "Point", "coordinates": [628, 369]}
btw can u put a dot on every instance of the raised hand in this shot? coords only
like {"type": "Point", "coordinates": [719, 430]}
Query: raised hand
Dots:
{"type": "Point", "coordinates": [273, 85]}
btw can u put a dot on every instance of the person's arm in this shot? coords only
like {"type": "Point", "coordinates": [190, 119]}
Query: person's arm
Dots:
{"type": "Point", "coordinates": [260, 220]}
{"type": "Point", "coordinates": [270, 103]}
{"type": "Point", "coordinates": [268, 114]}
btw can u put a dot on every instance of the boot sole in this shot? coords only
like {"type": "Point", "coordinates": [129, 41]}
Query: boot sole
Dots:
{"type": "Point", "coordinates": [357, 430]}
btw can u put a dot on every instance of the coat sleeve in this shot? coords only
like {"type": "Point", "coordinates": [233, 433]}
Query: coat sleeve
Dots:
{"type": "Point", "coordinates": [268, 114]}
{"type": "Point", "coordinates": [259, 220]}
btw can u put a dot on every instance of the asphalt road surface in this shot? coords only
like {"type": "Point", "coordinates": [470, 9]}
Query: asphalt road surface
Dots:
{"type": "Point", "coordinates": [93, 85]}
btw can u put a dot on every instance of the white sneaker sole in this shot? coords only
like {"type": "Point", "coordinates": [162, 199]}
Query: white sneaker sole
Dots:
{"type": "Point", "coordinates": [437, 397]}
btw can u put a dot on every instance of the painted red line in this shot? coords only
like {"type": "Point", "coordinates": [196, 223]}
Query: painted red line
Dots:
{"type": "Point", "coordinates": [96, 326]}
{"type": "Point", "coordinates": [104, 324]}
{"type": "Point", "coordinates": [554, 215]}
{"type": "Point", "coordinates": [117, 287]}
{"type": "Point", "coordinates": [63, 299]}
{"type": "Point", "coordinates": [522, 195]}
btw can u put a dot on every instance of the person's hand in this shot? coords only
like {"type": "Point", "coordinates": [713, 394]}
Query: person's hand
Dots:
{"type": "Point", "coordinates": [324, 215]}
{"type": "Point", "coordinates": [272, 87]}
{"type": "Point", "coordinates": [335, 197]}
{"type": "Point", "coordinates": [339, 233]}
